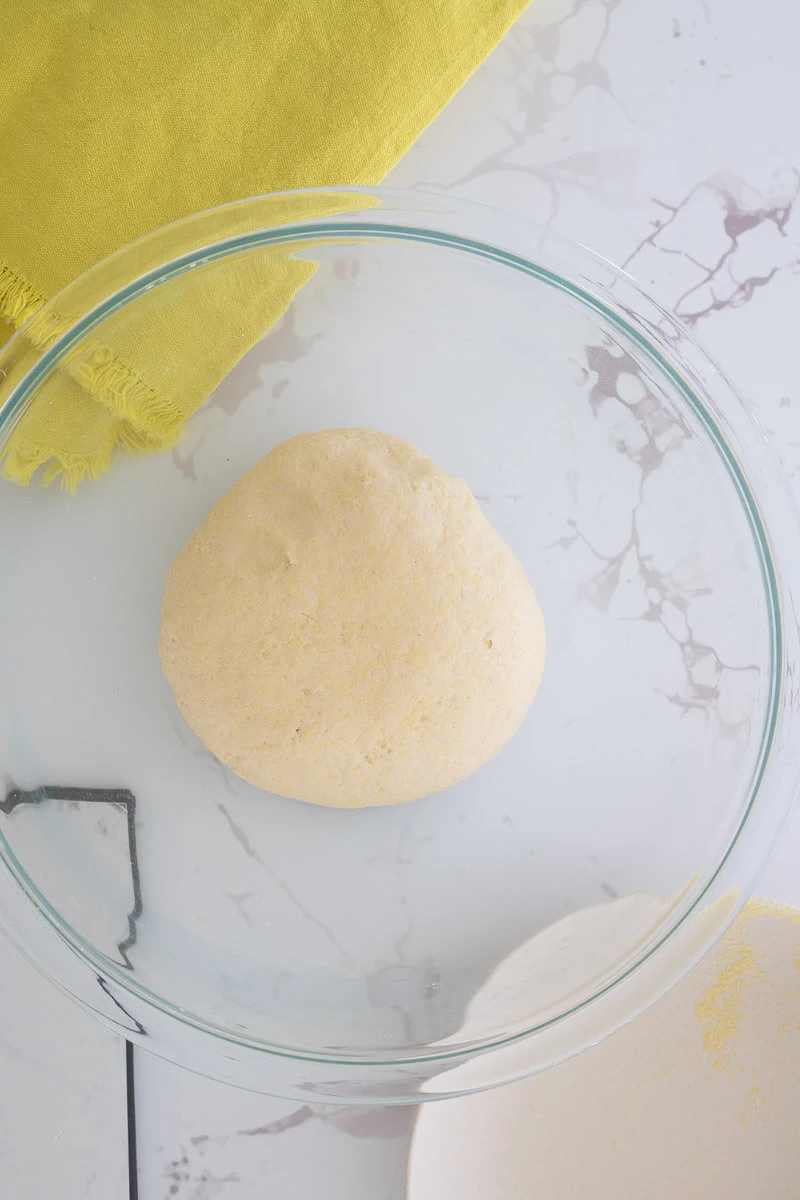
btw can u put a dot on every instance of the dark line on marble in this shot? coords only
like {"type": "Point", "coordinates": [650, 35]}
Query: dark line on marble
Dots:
{"type": "Point", "coordinates": [130, 1096]}
{"type": "Point", "coordinates": [121, 798]}
{"type": "Point", "coordinates": [137, 1026]}
{"type": "Point", "coordinates": [136, 911]}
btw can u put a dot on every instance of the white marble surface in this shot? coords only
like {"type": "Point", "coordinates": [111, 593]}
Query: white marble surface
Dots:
{"type": "Point", "coordinates": [63, 1120]}
{"type": "Point", "coordinates": [200, 1140]}
{"type": "Point", "coordinates": [665, 138]}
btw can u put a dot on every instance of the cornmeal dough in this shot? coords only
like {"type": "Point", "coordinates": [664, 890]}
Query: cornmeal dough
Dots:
{"type": "Point", "coordinates": [347, 628]}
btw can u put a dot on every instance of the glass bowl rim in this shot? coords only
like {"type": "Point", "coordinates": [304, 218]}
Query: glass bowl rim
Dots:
{"type": "Point", "coordinates": [634, 328]}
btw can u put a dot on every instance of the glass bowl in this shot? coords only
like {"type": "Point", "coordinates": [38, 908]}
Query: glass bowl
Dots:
{"type": "Point", "coordinates": [438, 947]}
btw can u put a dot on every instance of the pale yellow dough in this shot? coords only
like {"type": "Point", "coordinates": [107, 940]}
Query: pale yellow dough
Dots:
{"type": "Point", "coordinates": [347, 628]}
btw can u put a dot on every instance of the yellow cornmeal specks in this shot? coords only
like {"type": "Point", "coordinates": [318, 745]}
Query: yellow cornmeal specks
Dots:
{"type": "Point", "coordinates": [758, 907]}
{"type": "Point", "coordinates": [722, 1007]}
{"type": "Point", "coordinates": [752, 1105]}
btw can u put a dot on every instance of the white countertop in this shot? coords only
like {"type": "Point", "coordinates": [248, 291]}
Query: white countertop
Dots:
{"type": "Point", "coordinates": [666, 139]}
{"type": "Point", "coordinates": [199, 1140]}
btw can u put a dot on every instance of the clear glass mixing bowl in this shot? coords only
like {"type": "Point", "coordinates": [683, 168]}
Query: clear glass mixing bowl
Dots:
{"type": "Point", "coordinates": [453, 943]}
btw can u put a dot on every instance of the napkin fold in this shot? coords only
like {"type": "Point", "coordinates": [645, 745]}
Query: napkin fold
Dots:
{"type": "Point", "coordinates": [119, 116]}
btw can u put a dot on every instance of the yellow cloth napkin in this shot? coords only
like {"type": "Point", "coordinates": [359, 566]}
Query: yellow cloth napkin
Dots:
{"type": "Point", "coordinates": [118, 116]}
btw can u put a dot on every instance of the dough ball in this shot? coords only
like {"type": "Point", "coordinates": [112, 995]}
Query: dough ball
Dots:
{"type": "Point", "coordinates": [347, 628]}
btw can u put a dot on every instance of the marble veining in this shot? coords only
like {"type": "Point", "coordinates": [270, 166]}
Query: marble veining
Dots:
{"type": "Point", "coordinates": [664, 137]}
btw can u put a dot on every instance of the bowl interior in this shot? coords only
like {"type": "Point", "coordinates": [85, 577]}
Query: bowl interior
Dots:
{"type": "Point", "coordinates": [368, 934]}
